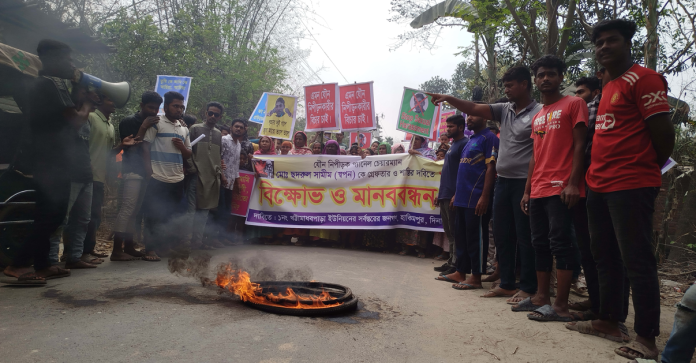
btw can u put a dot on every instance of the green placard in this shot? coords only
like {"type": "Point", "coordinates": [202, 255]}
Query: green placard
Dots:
{"type": "Point", "coordinates": [417, 114]}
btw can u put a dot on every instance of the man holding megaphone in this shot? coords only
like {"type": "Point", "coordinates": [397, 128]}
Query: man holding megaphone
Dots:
{"type": "Point", "coordinates": [56, 114]}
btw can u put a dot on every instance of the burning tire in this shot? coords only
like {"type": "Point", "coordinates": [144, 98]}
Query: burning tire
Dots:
{"type": "Point", "coordinates": [287, 297]}
{"type": "Point", "coordinates": [341, 298]}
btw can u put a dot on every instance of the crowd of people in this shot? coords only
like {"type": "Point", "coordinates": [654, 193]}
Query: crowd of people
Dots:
{"type": "Point", "coordinates": [569, 184]}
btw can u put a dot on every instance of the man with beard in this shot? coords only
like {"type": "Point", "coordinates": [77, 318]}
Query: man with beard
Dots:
{"type": "Point", "coordinates": [554, 186]}
{"type": "Point", "coordinates": [448, 185]}
{"type": "Point", "coordinates": [207, 169]}
{"type": "Point", "coordinates": [515, 118]}
{"type": "Point", "coordinates": [475, 180]}
{"type": "Point", "coordinates": [55, 119]}
{"type": "Point", "coordinates": [129, 215]}
{"type": "Point", "coordinates": [165, 147]}
{"type": "Point", "coordinates": [633, 139]}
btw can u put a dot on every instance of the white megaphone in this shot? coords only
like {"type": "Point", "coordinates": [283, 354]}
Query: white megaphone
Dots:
{"type": "Point", "coordinates": [117, 92]}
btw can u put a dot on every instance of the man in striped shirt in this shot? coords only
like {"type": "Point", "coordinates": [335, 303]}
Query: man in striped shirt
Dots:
{"type": "Point", "coordinates": [165, 147]}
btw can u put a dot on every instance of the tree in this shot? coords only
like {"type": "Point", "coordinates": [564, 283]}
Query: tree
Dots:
{"type": "Point", "coordinates": [436, 85]}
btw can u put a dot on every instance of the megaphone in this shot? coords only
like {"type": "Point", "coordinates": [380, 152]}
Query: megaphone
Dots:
{"type": "Point", "coordinates": [117, 92]}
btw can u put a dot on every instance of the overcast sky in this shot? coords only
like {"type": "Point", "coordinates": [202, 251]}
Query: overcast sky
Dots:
{"type": "Point", "coordinates": [357, 37]}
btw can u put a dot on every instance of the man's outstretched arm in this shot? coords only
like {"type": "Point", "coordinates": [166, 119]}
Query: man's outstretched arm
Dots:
{"type": "Point", "coordinates": [468, 107]}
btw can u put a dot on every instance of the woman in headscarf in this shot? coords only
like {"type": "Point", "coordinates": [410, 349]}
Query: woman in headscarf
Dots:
{"type": "Point", "coordinates": [263, 234]}
{"type": "Point", "coordinates": [285, 148]}
{"type": "Point", "coordinates": [398, 149]}
{"type": "Point", "coordinates": [374, 146]}
{"type": "Point", "coordinates": [300, 148]}
{"type": "Point", "coordinates": [420, 147]}
{"type": "Point", "coordinates": [384, 148]}
{"type": "Point", "coordinates": [331, 148]}
{"type": "Point", "coordinates": [300, 143]}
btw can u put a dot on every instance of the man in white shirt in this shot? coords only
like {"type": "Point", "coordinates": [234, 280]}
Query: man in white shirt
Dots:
{"type": "Point", "coordinates": [165, 147]}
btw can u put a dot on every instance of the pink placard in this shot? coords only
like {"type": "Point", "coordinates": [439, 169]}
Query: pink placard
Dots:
{"type": "Point", "coordinates": [321, 106]}
{"type": "Point", "coordinates": [357, 107]}
{"type": "Point", "coordinates": [241, 198]}
{"type": "Point", "coordinates": [442, 122]}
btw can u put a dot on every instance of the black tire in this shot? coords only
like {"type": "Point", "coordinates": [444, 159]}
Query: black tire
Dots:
{"type": "Point", "coordinates": [347, 306]}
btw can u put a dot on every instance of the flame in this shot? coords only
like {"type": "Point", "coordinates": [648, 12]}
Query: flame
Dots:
{"type": "Point", "coordinates": [239, 283]}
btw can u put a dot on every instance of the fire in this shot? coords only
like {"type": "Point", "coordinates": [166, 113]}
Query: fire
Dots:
{"type": "Point", "coordinates": [239, 283]}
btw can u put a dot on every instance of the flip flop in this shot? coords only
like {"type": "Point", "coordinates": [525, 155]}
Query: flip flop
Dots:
{"type": "Point", "coordinates": [585, 327]}
{"type": "Point", "coordinates": [525, 305]}
{"type": "Point", "coordinates": [492, 293]}
{"type": "Point", "coordinates": [445, 278]}
{"type": "Point", "coordinates": [463, 286]}
{"type": "Point", "coordinates": [639, 348]}
{"type": "Point", "coordinates": [27, 279]}
{"type": "Point", "coordinates": [548, 314]}
{"type": "Point", "coordinates": [58, 276]}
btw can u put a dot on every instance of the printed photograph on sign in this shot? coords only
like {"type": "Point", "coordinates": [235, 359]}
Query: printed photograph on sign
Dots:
{"type": "Point", "coordinates": [321, 107]}
{"type": "Point", "coordinates": [179, 84]}
{"type": "Point", "coordinates": [280, 115]}
{"type": "Point", "coordinates": [357, 111]}
{"type": "Point", "coordinates": [417, 115]}
{"type": "Point", "coordinates": [363, 139]}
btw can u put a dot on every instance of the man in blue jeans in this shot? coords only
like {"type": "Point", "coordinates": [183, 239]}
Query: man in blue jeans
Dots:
{"type": "Point", "coordinates": [515, 119]}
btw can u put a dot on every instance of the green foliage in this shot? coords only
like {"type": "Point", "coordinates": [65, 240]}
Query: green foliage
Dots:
{"type": "Point", "coordinates": [225, 65]}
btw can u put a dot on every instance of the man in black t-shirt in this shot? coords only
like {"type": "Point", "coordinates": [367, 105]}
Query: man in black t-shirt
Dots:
{"type": "Point", "coordinates": [55, 118]}
{"type": "Point", "coordinates": [448, 184]}
{"type": "Point", "coordinates": [134, 178]}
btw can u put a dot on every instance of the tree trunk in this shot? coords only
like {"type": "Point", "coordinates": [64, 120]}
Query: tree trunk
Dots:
{"type": "Point", "coordinates": [477, 64]}
{"type": "Point", "coordinates": [686, 226]}
{"type": "Point", "coordinates": [491, 66]}
{"type": "Point", "coordinates": [652, 39]}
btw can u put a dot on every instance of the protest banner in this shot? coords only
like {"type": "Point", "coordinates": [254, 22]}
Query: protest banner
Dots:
{"type": "Point", "coordinates": [259, 113]}
{"type": "Point", "coordinates": [357, 112]}
{"type": "Point", "coordinates": [241, 198]}
{"type": "Point", "coordinates": [321, 107]}
{"type": "Point", "coordinates": [417, 114]}
{"type": "Point", "coordinates": [364, 139]}
{"type": "Point", "coordinates": [379, 192]}
{"type": "Point", "coordinates": [179, 84]}
{"type": "Point", "coordinates": [442, 122]}
{"type": "Point", "coordinates": [279, 116]}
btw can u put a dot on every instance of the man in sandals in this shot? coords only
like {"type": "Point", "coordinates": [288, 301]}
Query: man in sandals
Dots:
{"type": "Point", "coordinates": [554, 186]}
{"type": "Point", "coordinates": [633, 138]}
{"type": "Point", "coordinates": [511, 225]}
{"type": "Point", "coordinates": [55, 119]}
{"type": "Point", "coordinates": [165, 147]}
{"type": "Point", "coordinates": [472, 199]}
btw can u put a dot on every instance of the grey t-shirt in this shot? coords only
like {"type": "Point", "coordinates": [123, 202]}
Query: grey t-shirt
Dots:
{"type": "Point", "coordinates": [516, 145]}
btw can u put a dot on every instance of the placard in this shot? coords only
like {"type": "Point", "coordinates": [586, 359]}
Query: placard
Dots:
{"type": "Point", "coordinates": [417, 115]}
{"type": "Point", "coordinates": [321, 107]}
{"type": "Point", "coordinates": [181, 84]}
{"type": "Point", "coordinates": [364, 139]}
{"type": "Point", "coordinates": [442, 122]}
{"type": "Point", "coordinates": [241, 198]}
{"type": "Point", "coordinates": [357, 112]}
{"type": "Point", "coordinates": [279, 116]}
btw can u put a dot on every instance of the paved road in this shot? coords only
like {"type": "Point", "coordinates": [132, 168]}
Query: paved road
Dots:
{"type": "Point", "coordinates": [139, 312]}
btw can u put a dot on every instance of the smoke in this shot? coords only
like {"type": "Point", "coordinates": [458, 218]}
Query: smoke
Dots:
{"type": "Point", "coordinates": [261, 266]}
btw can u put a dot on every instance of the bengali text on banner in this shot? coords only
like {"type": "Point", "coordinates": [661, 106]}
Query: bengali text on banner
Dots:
{"type": "Point", "coordinates": [346, 192]}
{"type": "Point", "coordinates": [321, 107]}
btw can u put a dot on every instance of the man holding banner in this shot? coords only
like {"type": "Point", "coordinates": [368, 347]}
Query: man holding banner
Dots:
{"type": "Point", "coordinates": [516, 146]}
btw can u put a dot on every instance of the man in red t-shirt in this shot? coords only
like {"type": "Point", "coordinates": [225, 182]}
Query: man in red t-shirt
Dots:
{"type": "Point", "coordinates": [633, 139]}
{"type": "Point", "coordinates": [554, 186]}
